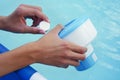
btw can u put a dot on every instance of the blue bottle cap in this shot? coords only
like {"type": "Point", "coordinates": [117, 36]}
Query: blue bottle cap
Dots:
{"type": "Point", "coordinates": [71, 26]}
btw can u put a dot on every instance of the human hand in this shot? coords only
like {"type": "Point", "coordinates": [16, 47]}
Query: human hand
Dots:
{"type": "Point", "coordinates": [16, 21]}
{"type": "Point", "coordinates": [52, 50]}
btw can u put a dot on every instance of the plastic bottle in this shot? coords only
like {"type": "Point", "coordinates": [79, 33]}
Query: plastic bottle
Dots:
{"type": "Point", "coordinates": [81, 32]}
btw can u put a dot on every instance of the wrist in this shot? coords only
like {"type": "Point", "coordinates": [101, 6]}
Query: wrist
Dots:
{"type": "Point", "coordinates": [28, 51]}
{"type": "Point", "coordinates": [24, 54]}
{"type": "Point", "coordinates": [37, 52]}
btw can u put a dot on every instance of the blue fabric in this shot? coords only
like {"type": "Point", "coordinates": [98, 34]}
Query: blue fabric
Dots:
{"type": "Point", "coordinates": [3, 49]}
{"type": "Point", "coordinates": [25, 73]}
{"type": "Point", "coordinates": [10, 76]}
{"type": "Point", "coordinates": [21, 74]}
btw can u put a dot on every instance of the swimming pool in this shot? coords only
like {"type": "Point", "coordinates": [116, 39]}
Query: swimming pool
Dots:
{"type": "Point", "coordinates": [104, 14]}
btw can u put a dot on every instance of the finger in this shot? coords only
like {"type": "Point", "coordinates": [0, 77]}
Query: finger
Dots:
{"type": "Point", "coordinates": [27, 11]}
{"type": "Point", "coordinates": [77, 48]}
{"type": "Point", "coordinates": [57, 29]}
{"type": "Point", "coordinates": [75, 56]}
{"type": "Point", "coordinates": [33, 30]}
{"type": "Point", "coordinates": [36, 21]}
{"type": "Point", "coordinates": [42, 16]}
{"type": "Point", "coordinates": [23, 20]}
{"type": "Point", "coordinates": [30, 6]}
{"type": "Point", "coordinates": [39, 15]}
{"type": "Point", "coordinates": [71, 62]}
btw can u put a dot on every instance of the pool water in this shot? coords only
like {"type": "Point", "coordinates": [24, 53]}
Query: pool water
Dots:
{"type": "Point", "coordinates": [105, 15]}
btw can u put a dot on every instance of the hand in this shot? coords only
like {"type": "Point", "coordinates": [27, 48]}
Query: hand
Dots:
{"type": "Point", "coordinates": [16, 21]}
{"type": "Point", "coordinates": [52, 50]}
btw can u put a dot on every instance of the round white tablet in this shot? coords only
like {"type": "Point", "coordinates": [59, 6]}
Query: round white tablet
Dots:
{"type": "Point", "coordinates": [44, 25]}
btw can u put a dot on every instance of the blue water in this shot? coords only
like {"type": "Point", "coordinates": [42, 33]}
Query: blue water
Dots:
{"type": "Point", "coordinates": [105, 15]}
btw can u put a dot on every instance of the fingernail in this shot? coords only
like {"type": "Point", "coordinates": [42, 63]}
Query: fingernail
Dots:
{"type": "Point", "coordinates": [60, 25]}
{"type": "Point", "coordinates": [42, 32]}
{"type": "Point", "coordinates": [85, 49]}
{"type": "Point", "coordinates": [47, 19]}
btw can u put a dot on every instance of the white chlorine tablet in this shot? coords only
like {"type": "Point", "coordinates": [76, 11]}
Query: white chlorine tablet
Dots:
{"type": "Point", "coordinates": [44, 25]}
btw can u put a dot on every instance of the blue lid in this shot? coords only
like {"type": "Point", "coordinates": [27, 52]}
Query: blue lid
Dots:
{"type": "Point", "coordinates": [71, 26]}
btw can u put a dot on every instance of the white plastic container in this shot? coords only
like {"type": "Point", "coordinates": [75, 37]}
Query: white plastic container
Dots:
{"type": "Point", "coordinates": [81, 32]}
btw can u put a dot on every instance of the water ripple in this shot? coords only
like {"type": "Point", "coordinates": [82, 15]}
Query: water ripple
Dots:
{"type": "Point", "coordinates": [109, 66]}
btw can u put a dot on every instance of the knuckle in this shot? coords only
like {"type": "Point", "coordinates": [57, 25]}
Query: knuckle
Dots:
{"type": "Point", "coordinates": [63, 62]}
{"type": "Point", "coordinates": [36, 11]}
{"type": "Point", "coordinates": [65, 45]}
{"type": "Point", "coordinates": [77, 64]}
{"type": "Point", "coordinates": [40, 8]}
{"type": "Point", "coordinates": [66, 53]}
{"type": "Point", "coordinates": [83, 50]}
{"type": "Point", "coordinates": [19, 10]}
{"type": "Point", "coordinates": [21, 5]}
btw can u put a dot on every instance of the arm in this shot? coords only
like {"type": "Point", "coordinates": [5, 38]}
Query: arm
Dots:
{"type": "Point", "coordinates": [49, 50]}
{"type": "Point", "coordinates": [14, 60]}
{"type": "Point", "coordinates": [15, 22]}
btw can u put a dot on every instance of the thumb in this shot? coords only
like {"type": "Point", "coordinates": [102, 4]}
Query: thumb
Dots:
{"type": "Point", "coordinates": [57, 29]}
{"type": "Point", "coordinates": [33, 30]}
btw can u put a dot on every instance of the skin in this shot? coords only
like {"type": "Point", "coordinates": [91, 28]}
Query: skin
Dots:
{"type": "Point", "coordinates": [49, 50]}
{"type": "Point", "coordinates": [15, 22]}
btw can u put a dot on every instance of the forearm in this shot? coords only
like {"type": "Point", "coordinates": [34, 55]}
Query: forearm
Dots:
{"type": "Point", "coordinates": [15, 59]}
